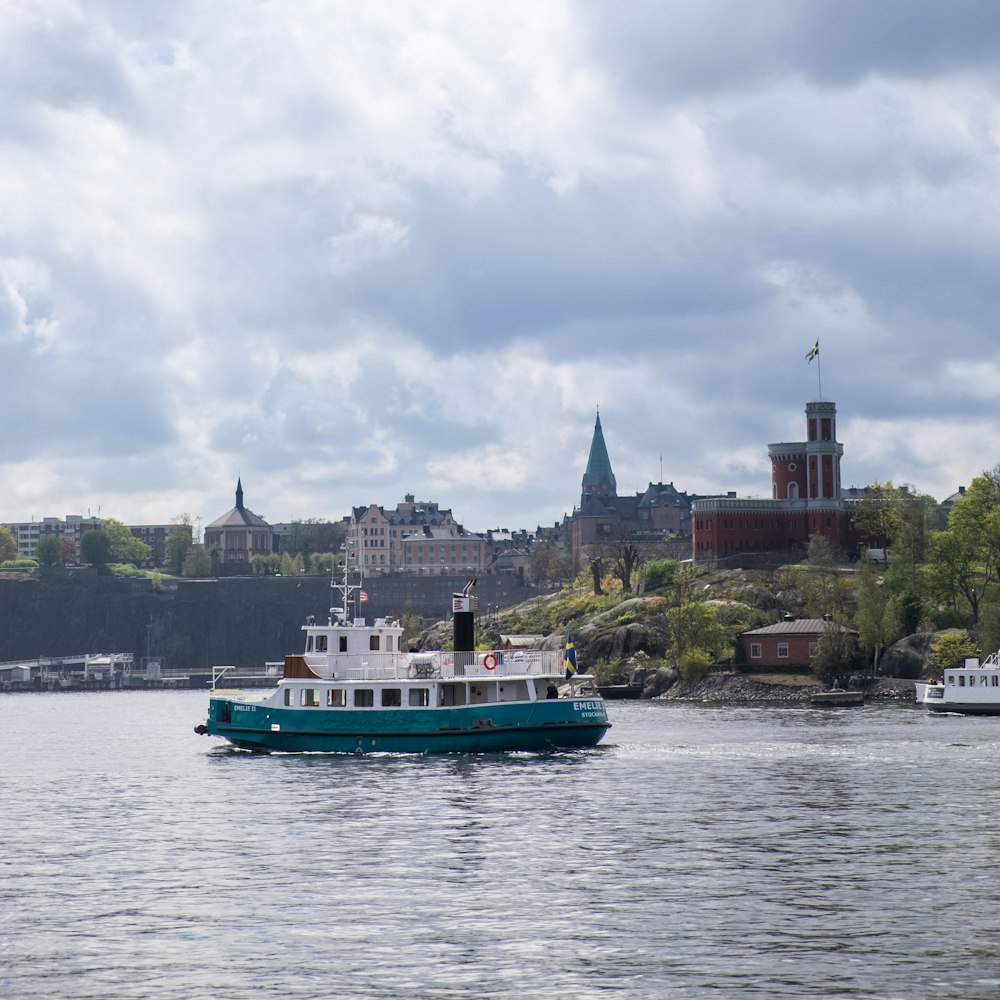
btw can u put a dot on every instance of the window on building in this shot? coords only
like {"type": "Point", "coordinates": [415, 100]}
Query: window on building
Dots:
{"type": "Point", "coordinates": [813, 646]}
{"type": "Point", "coordinates": [364, 698]}
{"type": "Point", "coordinates": [782, 650]}
{"type": "Point", "coordinates": [755, 651]}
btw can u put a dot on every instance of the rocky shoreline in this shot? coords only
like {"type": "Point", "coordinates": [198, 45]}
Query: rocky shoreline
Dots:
{"type": "Point", "coordinates": [735, 688]}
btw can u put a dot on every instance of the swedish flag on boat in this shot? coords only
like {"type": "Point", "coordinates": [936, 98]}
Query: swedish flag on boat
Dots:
{"type": "Point", "coordinates": [569, 658]}
{"type": "Point", "coordinates": [813, 352]}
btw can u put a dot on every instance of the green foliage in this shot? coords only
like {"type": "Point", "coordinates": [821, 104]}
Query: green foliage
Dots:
{"type": "Point", "coordinates": [820, 582]}
{"type": "Point", "coordinates": [321, 563]}
{"type": "Point", "coordinates": [156, 579]}
{"type": "Point", "coordinates": [659, 573]}
{"type": "Point", "coordinates": [879, 515]}
{"type": "Point", "coordinates": [694, 664]}
{"type": "Point", "coordinates": [911, 613]}
{"type": "Point", "coordinates": [49, 550]}
{"type": "Point", "coordinates": [8, 545]}
{"type": "Point", "coordinates": [125, 569]}
{"type": "Point", "coordinates": [197, 562]}
{"type": "Point", "coordinates": [877, 620]}
{"type": "Point", "coordinates": [311, 536]}
{"type": "Point", "coordinates": [950, 649]}
{"type": "Point", "coordinates": [694, 628]}
{"type": "Point", "coordinates": [123, 546]}
{"type": "Point", "coordinates": [95, 548]}
{"type": "Point", "coordinates": [837, 655]}
{"type": "Point", "coordinates": [19, 564]}
{"type": "Point", "coordinates": [176, 546]}
{"type": "Point", "coordinates": [964, 560]}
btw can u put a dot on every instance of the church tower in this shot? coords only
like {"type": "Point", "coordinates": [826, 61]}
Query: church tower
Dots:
{"type": "Point", "coordinates": [598, 480]}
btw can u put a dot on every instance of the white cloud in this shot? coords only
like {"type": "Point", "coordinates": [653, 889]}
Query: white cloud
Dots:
{"type": "Point", "coordinates": [354, 251]}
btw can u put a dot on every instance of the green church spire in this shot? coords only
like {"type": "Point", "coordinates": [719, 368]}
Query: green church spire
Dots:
{"type": "Point", "coordinates": [599, 480]}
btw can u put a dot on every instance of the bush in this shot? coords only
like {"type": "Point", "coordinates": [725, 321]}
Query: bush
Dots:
{"type": "Point", "coordinates": [949, 649]}
{"type": "Point", "coordinates": [694, 664]}
{"type": "Point", "coordinates": [659, 573]}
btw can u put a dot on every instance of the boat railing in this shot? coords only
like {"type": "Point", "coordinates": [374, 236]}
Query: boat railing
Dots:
{"type": "Point", "coordinates": [444, 664]}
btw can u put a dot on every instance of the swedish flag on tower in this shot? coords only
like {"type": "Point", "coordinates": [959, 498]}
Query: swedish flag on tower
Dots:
{"type": "Point", "coordinates": [814, 351]}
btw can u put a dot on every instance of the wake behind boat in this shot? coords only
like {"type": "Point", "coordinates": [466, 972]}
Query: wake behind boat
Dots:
{"type": "Point", "coordinates": [973, 689]}
{"type": "Point", "coordinates": [354, 690]}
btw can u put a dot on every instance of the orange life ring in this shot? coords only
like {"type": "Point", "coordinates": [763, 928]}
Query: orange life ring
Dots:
{"type": "Point", "coordinates": [490, 661]}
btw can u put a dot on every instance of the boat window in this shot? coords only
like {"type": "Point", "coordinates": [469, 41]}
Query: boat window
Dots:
{"type": "Point", "coordinates": [373, 642]}
{"type": "Point", "coordinates": [321, 644]}
{"type": "Point", "coordinates": [972, 680]}
{"type": "Point", "coordinates": [391, 697]}
{"type": "Point", "coordinates": [961, 680]}
{"type": "Point", "coordinates": [288, 696]}
{"type": "Point", "coordinates": [419, 697]}
{"type": "Point", "coordinates": [951, 679]}
{"type": "Point", "coordinates": [388, 643]}
{"type": "Point", "coordinates": [364, 698]}
{"type": "Point", "coordinates": [994, 680]}
{"type": "Point", "coordinates": [343, 643]}
{"type": "Point", "coordinates": [309, 644]}
{"type": "Point", "coordinates": [309, 697]}
{"type": "Point", "coordinates": [336, 698]}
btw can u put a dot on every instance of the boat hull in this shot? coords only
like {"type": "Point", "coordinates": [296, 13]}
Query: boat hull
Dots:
{"type": "Point", "coordinates": [963, 708]}
{"type": "Point", "coordinates": [546, 725]}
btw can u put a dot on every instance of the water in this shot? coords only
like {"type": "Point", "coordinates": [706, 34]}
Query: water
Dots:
{"type": "Point", "coordinates": [701, 852]}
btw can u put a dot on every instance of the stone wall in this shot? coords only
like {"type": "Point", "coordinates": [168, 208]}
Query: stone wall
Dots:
{"type": "Point", "coordinates": [195, 624]}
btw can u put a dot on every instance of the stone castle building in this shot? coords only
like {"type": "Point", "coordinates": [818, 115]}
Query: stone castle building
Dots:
{"type": "Point", "coordinates": [659, 512]}
{"type": "Point", "coordinates": [806, 499]}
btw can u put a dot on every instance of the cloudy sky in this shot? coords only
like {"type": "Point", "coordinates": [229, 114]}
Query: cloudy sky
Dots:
{"type": "Point", "coordinates": [350, 251]}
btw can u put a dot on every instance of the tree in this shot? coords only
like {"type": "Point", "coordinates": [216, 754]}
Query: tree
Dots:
{"type": "Point", "coordinates": [696, 637]}
{"type": "Point", "coordinates": [595, 561]}
{"type": "Point", "coordinates": [964, 560]}
{"type": "Point", "coordinates": [820, 581]}
{"type": "Point", "coordinates": [321, 563]}
{"type": "Point", "coordinates": [625, 553]}
{"type": "Point", "coordinates": [123, 546]}
{"type": "Point", "coordinates": [176, 546]}
{"type": "Point", "coordinates": [48, 551]}
{"type": "Point", "coordinates": [313, 535]}
{"type": "Point", "coordinates": [837, 654]}
{"type": "Point", "coordinates": [95, 547]}
{"type": "Point", "coordinates": [879, 516]}
{"type": "Point", "coordinates": [877, 619]}
{"type": "Point", "coordinates": [68, 546]}
{"type": "Point", "coordinates": [8, 547]}
{"type": "Point", "coordinates": [950, 649]}
{"type": "Point", "coordinates": [197, 562]}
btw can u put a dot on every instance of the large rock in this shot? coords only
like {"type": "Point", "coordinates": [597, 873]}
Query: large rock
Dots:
{"type": "Point", "coordinates": [907, 658]}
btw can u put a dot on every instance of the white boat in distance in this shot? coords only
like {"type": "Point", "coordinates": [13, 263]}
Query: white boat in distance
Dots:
{"type": "Point", "coordinates": [973, 689]}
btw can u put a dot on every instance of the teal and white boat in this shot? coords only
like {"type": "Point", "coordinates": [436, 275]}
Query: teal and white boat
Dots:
{"type": "Point", "coordinates": [354, 690]}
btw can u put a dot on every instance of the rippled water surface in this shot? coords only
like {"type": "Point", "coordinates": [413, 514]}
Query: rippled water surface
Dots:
{"type": "Point", "coordinates": [701, 852]}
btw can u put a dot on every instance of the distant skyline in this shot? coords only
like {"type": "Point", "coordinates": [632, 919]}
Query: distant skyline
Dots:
{"type": "Point", "coordinates": [348, 252]}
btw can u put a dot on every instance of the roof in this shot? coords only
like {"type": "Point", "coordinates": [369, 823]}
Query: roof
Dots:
{"type": "Point", "coordinates": [522, 641]}
{"type": "Point", "coordinates": [599, 472]}
{"type": "Point", "coordinates": [239, 515]}
{"type": "Point", "coordinates": [800, 626]}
